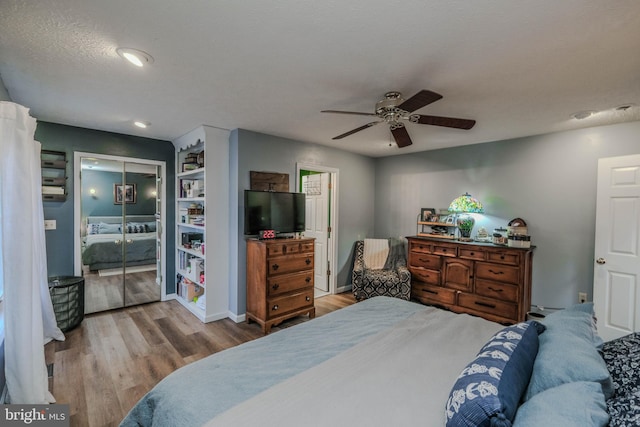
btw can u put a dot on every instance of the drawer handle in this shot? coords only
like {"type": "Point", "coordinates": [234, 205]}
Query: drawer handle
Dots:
{"type": "Point", "coordinates": [275, 286]}
{"type": "Point", "coordinates": [275, 307]}
{"type": "Point", "coordinates": [308, 298]}
{"type": "Point", "coordinates": [284, 249]}
{"type": "Point", "coordinates": [307, 261]}
{"type": "Point", "coordinates": [429, 291]}
{"type": "Point", "coordinates": [484, 304]}
{"type": "Point", "coordinates": [496, 272]}
{"type": "Point", "coordinates": [308, 279]}
{"type": "Point", "coordinates": [275, 267]}
{"type": "Point", "coordinates": [495, 290]}
{"type": "Point", "coordinates": [472, 253]}
{"type": "Point", "coordinates": [501, 256]}
{"type": "Point", "coordinates": [423, 260]}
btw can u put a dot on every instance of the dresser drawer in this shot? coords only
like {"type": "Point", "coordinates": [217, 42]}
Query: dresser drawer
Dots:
{"type": "Point", "coordinates": [472, 254]}
{"type": "Point", "coordinates": [445, 250]}
{"type": "Point", "coordinates": [425, 261]}
{"type": "Point", "coordinates": [504, 257]}
{"type": "Point", "coordinates": [282, 305]}
{"type": "Point", "coordinates": [284, 283]}
{"type": "Point", "coordinates": [307, 247]}
{"type": "Point", "coordinates": [284, 248]}
{"type": "Point", "coordinates": [488, 305]}
{"type": "Point", "coordinates": [502, 291]}
{"type": "Point", "coordinates": [287, 264]}
{"type": "Point", "coordinates": [419, 247]}
{"type": "Point", "coordinates": [502, 273]}
{"type": "Point", "coordinates": [423, 275]}
{"type": "Point", "coordinates": [432, 294]}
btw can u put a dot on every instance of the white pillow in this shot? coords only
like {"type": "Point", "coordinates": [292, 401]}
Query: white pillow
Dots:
{"type": "Point", "coordinates": [375, 253]}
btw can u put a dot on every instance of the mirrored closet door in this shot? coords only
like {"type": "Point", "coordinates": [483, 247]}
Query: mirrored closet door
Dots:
{"type": "Point", "coordinates": [119, 216]}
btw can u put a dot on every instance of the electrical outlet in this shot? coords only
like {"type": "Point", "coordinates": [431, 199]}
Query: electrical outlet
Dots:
{"type": "Point", "coordinates": [582, 297]}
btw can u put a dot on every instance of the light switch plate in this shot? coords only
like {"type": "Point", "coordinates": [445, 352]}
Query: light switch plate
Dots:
{"type": "Point", "coordinates": [49, 224]}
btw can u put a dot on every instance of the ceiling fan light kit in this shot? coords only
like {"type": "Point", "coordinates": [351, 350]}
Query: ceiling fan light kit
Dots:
{"type": "Point", "coordinates": [393, 109]}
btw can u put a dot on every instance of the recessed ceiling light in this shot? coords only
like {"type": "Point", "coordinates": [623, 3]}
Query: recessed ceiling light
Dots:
{"type": "Point", "coordinates": [135, 56]}
{"type": "Point", "coordinates": [141, 124]}
{"type": "Point", "coordinates": [583, 114]}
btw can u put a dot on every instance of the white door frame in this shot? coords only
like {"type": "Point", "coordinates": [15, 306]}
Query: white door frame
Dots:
{"type": "Point", "coordinates": [333, 223]}
{"type": "Point", "coordinates": [77, 240]}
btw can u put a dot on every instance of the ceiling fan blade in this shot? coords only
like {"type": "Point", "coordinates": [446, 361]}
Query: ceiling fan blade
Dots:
{"type": "Point", "coordinates": [448, 122]}
{"type": "Point", "coordinates": [401, 135]}
{"type": "Point", "coordinates": [348, 112]}
{"type": "Point", "coordinates": [351, 132]}
{"type": "Point", "coordinates": [419, 100]}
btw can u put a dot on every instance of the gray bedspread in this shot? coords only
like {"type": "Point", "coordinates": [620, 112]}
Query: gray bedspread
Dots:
{"type": "Point", "coordinates": [196, 393]}
{"type": "Point", "coordinates": [102, 251]}
{"type": "Point", "coordinates": [401, 376]}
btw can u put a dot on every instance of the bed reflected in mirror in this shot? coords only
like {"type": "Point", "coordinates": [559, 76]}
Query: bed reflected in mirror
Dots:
{"type": "Point", "coordinates": [119, 233]}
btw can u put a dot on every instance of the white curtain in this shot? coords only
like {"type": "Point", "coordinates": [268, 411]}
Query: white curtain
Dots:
{"type": "Point", "coordinates": [29, 318]}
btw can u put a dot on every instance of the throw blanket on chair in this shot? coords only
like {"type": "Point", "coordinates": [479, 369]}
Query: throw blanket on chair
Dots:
{"type": "Point", "coordinates": [376, 252]}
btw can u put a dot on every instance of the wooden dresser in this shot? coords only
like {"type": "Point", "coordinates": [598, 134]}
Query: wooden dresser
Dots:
{"type": "Point", "coordinates": [482, 279]}
{"type": "Point", "coordinates": [279, 280]}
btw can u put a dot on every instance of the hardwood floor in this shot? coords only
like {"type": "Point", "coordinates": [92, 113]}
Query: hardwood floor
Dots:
{"type": "Point", "coordinates": [113, 358]}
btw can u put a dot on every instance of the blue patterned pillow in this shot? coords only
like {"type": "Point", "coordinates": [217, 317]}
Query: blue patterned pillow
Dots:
{"type": "Point", "coordinates": [93, 228]}
{"type": "Point", "coordinates": [488, 390]}
{"type": "Point", "coordinates": [135, 227]}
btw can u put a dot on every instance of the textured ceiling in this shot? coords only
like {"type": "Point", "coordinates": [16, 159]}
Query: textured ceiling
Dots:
{"type": "Point", "coordinates": [516, 67]}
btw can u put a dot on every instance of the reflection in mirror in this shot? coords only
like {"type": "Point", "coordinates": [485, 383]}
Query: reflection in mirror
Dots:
{"type": "Point", "coordinates": [119, 233]}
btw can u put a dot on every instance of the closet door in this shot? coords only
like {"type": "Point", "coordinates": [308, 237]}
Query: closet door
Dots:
{"type": "Point", "coordinates": [101, 233]}
{"type": "Point", "coordinates": [141, 238]}
{"type": "Point", "coordinates": [119, 233]}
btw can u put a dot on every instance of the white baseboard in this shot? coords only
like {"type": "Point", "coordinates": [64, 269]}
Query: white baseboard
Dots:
{"type": "Point", "coordinates": [345, 288]}
{"type": "Point", "coordinates": [238, 318]}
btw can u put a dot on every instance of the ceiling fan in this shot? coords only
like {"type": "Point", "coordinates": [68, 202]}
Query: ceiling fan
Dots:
{"type": "Point", "coordinates": [393, 109]}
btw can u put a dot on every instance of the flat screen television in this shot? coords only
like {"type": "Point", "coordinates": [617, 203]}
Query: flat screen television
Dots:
{"type": "Point", "coordinates": [268, 210]}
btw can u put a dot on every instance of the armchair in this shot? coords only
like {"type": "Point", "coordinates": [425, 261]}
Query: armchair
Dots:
{"type": "Point", "coordinates": [393, 280]}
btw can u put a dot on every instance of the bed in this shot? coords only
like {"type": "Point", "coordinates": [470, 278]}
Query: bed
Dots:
{"type": "Point", "coordinates": [102, 241]}
{"type": "Point", "coordinates": [386, 361]}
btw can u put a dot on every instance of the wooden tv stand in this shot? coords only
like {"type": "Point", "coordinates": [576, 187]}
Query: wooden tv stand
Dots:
{"type": "Point", "coordinates": [279, 280]}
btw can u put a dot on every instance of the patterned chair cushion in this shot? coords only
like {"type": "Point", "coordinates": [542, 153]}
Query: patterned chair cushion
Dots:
{"type": "Point", "coordinates": [393, 281]}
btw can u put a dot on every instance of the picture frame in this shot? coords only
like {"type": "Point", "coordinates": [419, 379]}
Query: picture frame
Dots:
{"type": "Point", "coordinates": [427, 214]}
{"type": "Point", "coordinates": [124, 193]}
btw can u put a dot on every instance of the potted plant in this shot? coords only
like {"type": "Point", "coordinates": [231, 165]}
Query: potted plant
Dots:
{"type": "Point", "coordinates": [465, 225]}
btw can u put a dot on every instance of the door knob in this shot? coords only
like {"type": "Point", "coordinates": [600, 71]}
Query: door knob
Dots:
{"type": "Point", "coordinates": [601, 261]}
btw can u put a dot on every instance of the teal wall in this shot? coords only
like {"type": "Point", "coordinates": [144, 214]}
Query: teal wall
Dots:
{"type": "Point", "coordinates": [102, 204]}
{"type": "Point", "coordinates": [70, 139]}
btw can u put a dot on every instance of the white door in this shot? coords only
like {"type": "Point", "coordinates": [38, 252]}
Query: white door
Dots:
{"type": "Point", "coordinates": [316, 188]}
{"type": "Point", "coordinates": [616, 287]}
